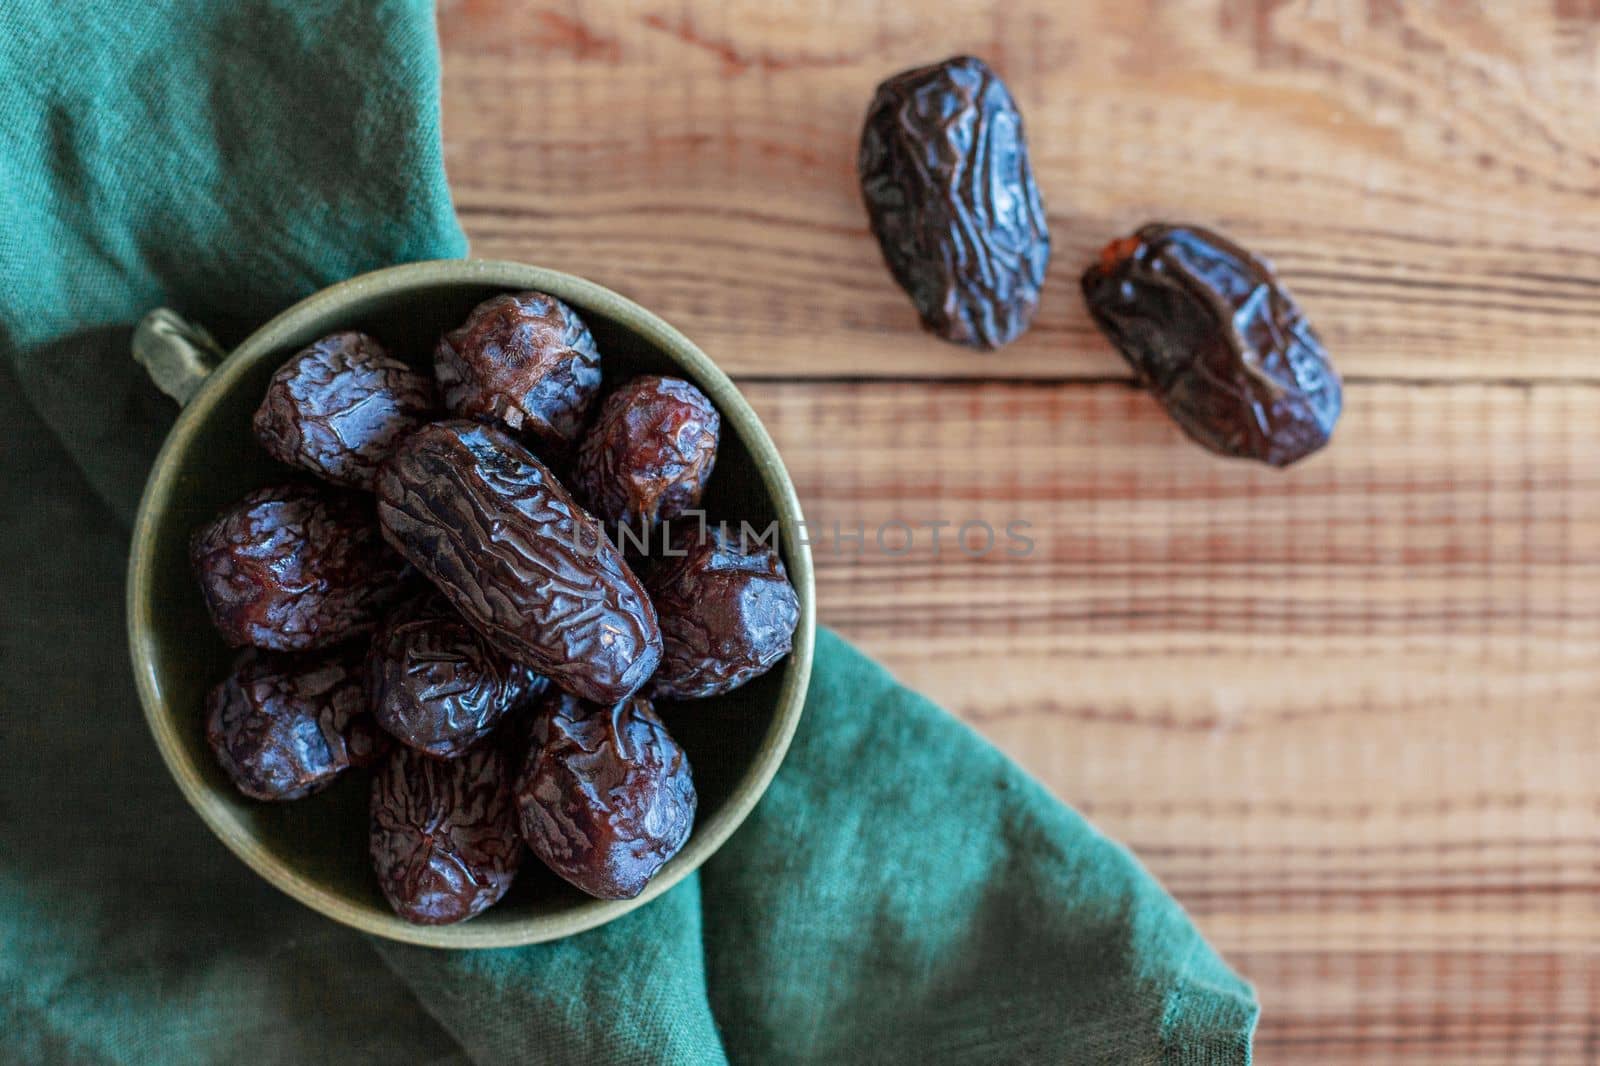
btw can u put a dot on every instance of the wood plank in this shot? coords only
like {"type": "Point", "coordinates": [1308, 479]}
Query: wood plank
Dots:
{"type": "Point", "coordinates": [1427, 175]}
{"type": "Point", "coordinates": [1346, 712]}
{"type": "Point", "coordinates": [1358, 1008]}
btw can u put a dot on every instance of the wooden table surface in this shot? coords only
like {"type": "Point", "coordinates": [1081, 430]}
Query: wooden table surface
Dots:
{"type": "Point", "coordinates": [1348, 712]}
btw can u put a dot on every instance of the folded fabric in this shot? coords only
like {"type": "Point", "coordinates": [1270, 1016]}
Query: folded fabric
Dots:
{"type": "Point", "coordinates": [904, 893]}
{"type": "Point", "coordinates": [223, 157]}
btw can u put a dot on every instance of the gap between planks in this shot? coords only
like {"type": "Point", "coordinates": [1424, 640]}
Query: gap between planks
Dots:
{"type": "Point", "coordinates": [1103, 380]}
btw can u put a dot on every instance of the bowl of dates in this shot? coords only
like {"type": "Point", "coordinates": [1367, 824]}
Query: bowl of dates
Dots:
{"type": "Point", "coordinates": [467, 600]}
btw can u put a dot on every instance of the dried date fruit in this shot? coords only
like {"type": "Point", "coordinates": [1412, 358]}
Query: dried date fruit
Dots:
{"type": "Point", "coordinates": [951, 198]}
{"type": "Point", "coordinates": [337, 406]}
{"type": "Point", "coordinates": [284, 726]}
{"type": "Point", "coordinates": [727, 614]}
{"type": "Point", "coordinates": [525, 360]}
{"type": "Point", "coordinates": [435, 683]}
{"type": "Point", "coordinates": [444, 837]}
{"type": "Point", "coordinates": [292, 568]}
{"type": "Point", "coordinates": [1219, 341]}
{"type": "Point", "coordinates": [605, 797]}
{"type": "Point", "coordinates": [517, 557]}
{"type": "Point", "coordinates": [649, 454]}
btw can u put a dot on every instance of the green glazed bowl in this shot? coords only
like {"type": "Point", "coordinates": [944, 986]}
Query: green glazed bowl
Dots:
{"type": "Point", "coordinates": [316, 849]}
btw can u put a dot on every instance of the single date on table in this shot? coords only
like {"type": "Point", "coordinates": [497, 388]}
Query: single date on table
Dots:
{"type": "Point", "coordinates": [952, 200]}
{"type": "Point", "coordinates": [1211, 332]}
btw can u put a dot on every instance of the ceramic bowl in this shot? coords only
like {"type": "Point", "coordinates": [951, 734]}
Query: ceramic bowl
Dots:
{"type": "Point", "coordinates": [316, 849]}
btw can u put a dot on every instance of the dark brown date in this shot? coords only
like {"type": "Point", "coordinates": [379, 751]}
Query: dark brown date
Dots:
{"type": "Point", "coordinates": [1211, 332]}
{"type": "Point", "coordinates": [293, 568]}
{"type": "Point", "coordinates": [284, 726]}
{"type": "Point", "coordinates": [436, 684]}
{"type": "Point", "coordinates": [727, 614]}
{"type": "Point", "coordinates": [517, 557]}
{"type": "Point", "coordinates": [336, 408]}
{"type": "Point", "coordinates": [605, 796]}
{"type": "Point", "coordinates": [444, 838]}
{"type": "Point", "coordinates": [951, 197]}
{"type": "Point", "coordinates": [525, 360]}
{"type": "Point", "coordinates": [649, 453]}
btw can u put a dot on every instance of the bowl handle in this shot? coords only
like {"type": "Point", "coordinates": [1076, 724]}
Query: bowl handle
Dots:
{"type": "Point", "coordinates": [177, 354]}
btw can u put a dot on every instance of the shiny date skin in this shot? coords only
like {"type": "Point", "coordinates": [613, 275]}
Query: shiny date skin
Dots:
{"type": "Point", "coordinates": [434, 682]}
{"type": "Point", "coordinates": [285, 726]}
{"type": "Point", "coordinates": [444, 839]}
{"type": "Point", "coordinates": [293, 568]}
{"type": "Point", "coordinates": [1218, 340]}
{"type": "Point", "coordinates": [650, 452]}
{"type": "Point", "coordinates": [727, 610]}
{"type": "Point", "coordinates": [605, 797]}
{"type": "Point", "coordinates": [519, 559]}
{"type": "Point", "coordinates": [337, 407]}
{"type": "Point", "coordinates": [952, 200]}
{"type": "Point", "coordinates": [526, 361]}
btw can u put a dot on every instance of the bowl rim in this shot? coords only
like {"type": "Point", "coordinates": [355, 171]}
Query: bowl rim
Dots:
{"type": "Point", "coordinates": [273, 336]}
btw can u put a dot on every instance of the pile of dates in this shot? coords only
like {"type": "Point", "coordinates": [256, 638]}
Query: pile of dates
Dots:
{"type": "Point", "coordinates": [1205, 325]}
{"type": "Point", "coordinates": [427, 596]}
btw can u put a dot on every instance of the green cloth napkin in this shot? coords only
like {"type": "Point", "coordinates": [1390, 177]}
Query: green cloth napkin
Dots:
{"type": "Point", "coordinates": [903, 894]}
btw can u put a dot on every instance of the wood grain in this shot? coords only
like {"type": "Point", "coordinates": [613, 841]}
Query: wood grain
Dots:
{"type": "Point", "coordinates": [1349, 713]}
{"type": "Point", "coordinates": [1427, 175]}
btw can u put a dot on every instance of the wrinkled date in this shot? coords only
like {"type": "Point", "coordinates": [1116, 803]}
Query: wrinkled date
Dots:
{"type": "Point", "coordinates": [525, 360]}
{"type": "Point", "coordinates": [605, 797]}
{"type": "Point", "coordinates": [336, 408]}
{"type": "Point", "coordinates": [292, 568]}
{"type": "Point", "coordinates": [1223, 346]}
{"type": "Point", "coordinates": [444, 833]}
{"type": "Point", "coordinates": [650, 452]}
{"type": "Point", "coordinates": [951, 197]}
{"type": "Point", "coordinates": [727, 615]}
{"type": "Point", "coordinates": [436, 684]}
{"type": "Point", "coordinates": [519, 559]}
{"type": "Point", "coordinates": [284, 726]}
